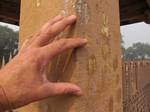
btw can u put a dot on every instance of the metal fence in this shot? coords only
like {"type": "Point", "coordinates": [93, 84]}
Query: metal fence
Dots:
{"type": "Point", "coordinates": [136, 86]}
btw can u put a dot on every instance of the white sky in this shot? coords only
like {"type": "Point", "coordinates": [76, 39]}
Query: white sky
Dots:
{"type": "Point", "coordinates": [133, 33]}
{"type": "Point", "coordinates": [14, 27]}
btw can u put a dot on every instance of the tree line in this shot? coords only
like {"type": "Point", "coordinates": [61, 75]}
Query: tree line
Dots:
{"type": "Point", "coordinates": [137, 51]}
{"type": "Point", "coordinates": [8, 43]}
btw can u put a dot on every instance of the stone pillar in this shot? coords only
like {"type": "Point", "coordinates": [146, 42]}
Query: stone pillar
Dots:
{"type": "Point", "coordinates": [96, 68]}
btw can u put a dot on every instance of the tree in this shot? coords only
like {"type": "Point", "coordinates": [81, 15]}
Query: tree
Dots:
{"type": "Point", "coordinates": [122, 46]}
{"type": "Point", "coordinates": [137, 51]}
{"type": "Point", "coordinates": [8, 43]}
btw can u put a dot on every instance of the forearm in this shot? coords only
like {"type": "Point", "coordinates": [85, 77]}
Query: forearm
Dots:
{"type": "Point", "coordinates": [4, 103]}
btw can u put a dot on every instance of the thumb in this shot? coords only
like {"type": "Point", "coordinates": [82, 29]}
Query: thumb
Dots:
{"type": "Point", "coordinates": [53, 89]}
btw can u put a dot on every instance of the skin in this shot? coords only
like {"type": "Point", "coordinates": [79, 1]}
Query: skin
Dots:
{"type": "Point", "coordinates": [24, 78]}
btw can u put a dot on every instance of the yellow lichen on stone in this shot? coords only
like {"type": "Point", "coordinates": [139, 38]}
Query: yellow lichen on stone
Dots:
{"type": "Point", "coordinates": [105, 31]}
{"type": "Point", "coordinates": [105, 28]}
{"type": "Point", "coordinates": [105, 51]}
{"type": "Point", "coordinates": [92, 65]}
{"type": "Point", "coordinates": [38, 3]}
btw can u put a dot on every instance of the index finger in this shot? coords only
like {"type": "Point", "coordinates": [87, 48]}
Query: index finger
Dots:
{"type": "Point", "coordinates": [60, 46]}
{"type": "Point", "coordinates": [49, 33]}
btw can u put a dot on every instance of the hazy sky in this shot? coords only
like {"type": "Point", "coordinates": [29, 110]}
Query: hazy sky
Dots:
{"type": "Point", "coordinates": [139, 32]}
{"type": "Point", "coordinates": [14, 27]}
{"type": "Point", "coordinates": [135, 33]}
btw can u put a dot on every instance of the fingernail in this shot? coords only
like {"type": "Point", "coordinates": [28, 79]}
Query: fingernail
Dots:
{"type": "Point", "coordinates": [72, 17]}
{"type": "Point", "coordinates": [77, 92]}
{"type": "Point", "coordinates": [84, 40]}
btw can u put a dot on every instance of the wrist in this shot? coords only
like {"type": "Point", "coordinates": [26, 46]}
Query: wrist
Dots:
{"type": "Point", "coordinates": [4, 102]}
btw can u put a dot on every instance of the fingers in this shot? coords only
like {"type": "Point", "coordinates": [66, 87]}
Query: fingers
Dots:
{"type": "Point", "coordinates": [53, 21]}
{"type": "Point", "coordinates": [56, 19]}
{"type": "Point", "coordinates": [45, 27]}
{"type": "Point", "coordinates": [53, 89]}
{"type": "Point", "coordinates": [60, 46]}
{"type": "Point", "coordinates": [61, 25]}
{"type": "Point", "coordinates": [51, 29]}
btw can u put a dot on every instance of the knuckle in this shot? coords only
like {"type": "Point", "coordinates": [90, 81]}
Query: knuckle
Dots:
{"type": "Point", "coordinates": [47, 32]}
{"type": "Point", "coordinates": [63, 42]}
{"type": "Point", "coordinates": [65, 22]}
{"type": "Point", "coordinates": [66, 91]}
{"type": "Point", "coordinates": [33, 55]}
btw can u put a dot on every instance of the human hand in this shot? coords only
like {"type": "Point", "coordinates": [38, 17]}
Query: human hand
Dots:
{"type": "Point", "coordinates": [24, 79]}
